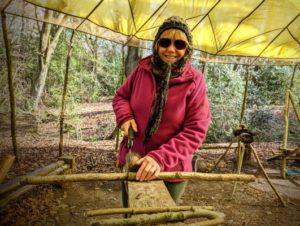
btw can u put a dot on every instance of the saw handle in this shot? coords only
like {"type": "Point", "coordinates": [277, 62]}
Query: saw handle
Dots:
{"type": "Point", "coordinates": [130, 137]}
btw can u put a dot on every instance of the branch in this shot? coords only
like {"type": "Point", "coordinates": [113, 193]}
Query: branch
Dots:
{"type": "Point", "coordinates": [148, 210]}
{"type": "Point", "coordinates": [216, 218]}
{"type": "Point", "coordinates": [132, 176]}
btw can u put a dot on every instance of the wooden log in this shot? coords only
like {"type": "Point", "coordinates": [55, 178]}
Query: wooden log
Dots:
{"type": "Point", "coordinates": [15, 194]}
{"type": "Point", "coordinates": [217, 218]}
{"type": "Point", "coordinates": [5, 164]}
{"type": "Point", "coordinates": [218, 146]}
{"type": "Point", "coordinates": [16, 183]}
{"type": "Point", "coordinates": [131, 176]}
{"type": "Point", "coordinates": [149, 194]}
{"type": "Point", "coordinates": [69, 160]}
{"type": "Point", "coordinates": [149, 210]}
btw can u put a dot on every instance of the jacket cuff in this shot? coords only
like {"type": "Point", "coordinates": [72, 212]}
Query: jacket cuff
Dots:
{"type": "Point", "coordinates": [124, 120]}
{"type": "Point", "coordinates": [157, 160]}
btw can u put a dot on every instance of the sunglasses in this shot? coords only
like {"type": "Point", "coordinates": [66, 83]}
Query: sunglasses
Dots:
{"type": "Point", "coordinates": [166, 42]}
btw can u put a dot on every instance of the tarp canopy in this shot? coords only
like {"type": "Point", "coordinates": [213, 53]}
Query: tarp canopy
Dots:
{"type": "Point", "coordinates": [248, 31]}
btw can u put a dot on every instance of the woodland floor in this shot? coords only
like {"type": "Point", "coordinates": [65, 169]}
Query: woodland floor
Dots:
{"type": "Point", "coordinates": [253, 204]}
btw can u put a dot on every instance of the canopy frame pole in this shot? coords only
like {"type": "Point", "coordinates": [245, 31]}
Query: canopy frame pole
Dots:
{"type": "Point", "coordinates": [288, 98]}
{"type": "Point", "coordinates": [117, 130]}
{"type": "Point", "coordinates": [10, 87]}
{"type": "Point", "coordinates": [61, 120]}
{"type": "Point", "coordinates": [203, 67]}
{"type": "Point", "coordinates": [245, 95]}
{"type": "Point", "coordinates": [63, 101]}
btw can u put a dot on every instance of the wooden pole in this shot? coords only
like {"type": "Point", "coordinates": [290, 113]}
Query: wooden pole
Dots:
{"type": "Point", "coordinates": [131, 176]}
{"type": "Point", "coordinates": [11, 88]}
{"type": "Point", "coordinates": [148, 210]}
{"type": "Point", "coordinates": [245, 95]}
{"type": "Point", "coordinates": [216, 218]}
{"type": "Point", "coordinates": [286, 118]}
{"type": "Point", "coordinates": [294, 106]}
{"type": "Point", "coordinates": [15, 194]}
{"type": "Point", "coordinates": [16, 183]}
{"type": "Point", "coordinates": [62, 112]}
{"type": "Point", "coordinates": [5, 164]}
{"type": "Point", "coordinates": [222, 156]}
{"type": "Point", "coordinates": [203, 67]}
{"type": "Point", "coordinates": [240, 158]}
{"type": "Point", "coordinates": [266, 176]}
{"type": "Point", "coordinates": [293, 76]}
{"type": "Point", "coordinates": [218, 146]}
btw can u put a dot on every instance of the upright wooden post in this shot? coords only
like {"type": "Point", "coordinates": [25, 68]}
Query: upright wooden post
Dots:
{"type": "Point", "coordinates": [5, 164]}
{"type": "Point", "coordinates": [11, 88]}
{"type": "Point", "coordinates": [288, 98]}
{"type": "Point", "coordinates": [245, 95]}
{"type": "Point", "coordinates": [203, 67]}
{"type": "Point", "coordinates": [62, 112]}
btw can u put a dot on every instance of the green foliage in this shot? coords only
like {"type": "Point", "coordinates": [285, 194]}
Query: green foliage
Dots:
{"type": "Point", "coordinates": [268, 85]}
{"type": "Point", "coordinates": [225, 87]}
{"type": "Point", "coordinates": [93, 72]}
{"type": "Point", "coordinates": [24, 48]}
{"type": "Point", "coordinates": [265, 124]}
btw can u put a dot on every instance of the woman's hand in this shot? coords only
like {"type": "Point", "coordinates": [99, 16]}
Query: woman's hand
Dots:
{"type": "Point", "coordinates": [149, 169]}
{"type": "Point", "coordinates": [125, 126]}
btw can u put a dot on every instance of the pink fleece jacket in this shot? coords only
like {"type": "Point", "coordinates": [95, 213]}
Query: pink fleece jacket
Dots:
{"type": "Point", "coordinates": [184, 122]}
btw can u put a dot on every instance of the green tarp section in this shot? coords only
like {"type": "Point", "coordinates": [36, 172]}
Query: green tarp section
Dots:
{"type": "Point", "coordinates": [223, 30]}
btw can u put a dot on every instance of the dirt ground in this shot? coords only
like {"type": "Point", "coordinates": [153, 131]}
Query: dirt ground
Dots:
{"type": "Point", "coordinates": [253, 204]}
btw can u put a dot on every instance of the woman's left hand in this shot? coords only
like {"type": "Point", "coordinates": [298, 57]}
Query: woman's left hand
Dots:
{"type": "Point", "coordinates": [149, 169]}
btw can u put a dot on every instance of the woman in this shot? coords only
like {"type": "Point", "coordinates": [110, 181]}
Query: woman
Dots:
{"type": "Point", "coordinates": [164, 100]}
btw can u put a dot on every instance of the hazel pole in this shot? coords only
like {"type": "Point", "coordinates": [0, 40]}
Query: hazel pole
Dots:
{"type": "Point", "coordinates": [131, 176]}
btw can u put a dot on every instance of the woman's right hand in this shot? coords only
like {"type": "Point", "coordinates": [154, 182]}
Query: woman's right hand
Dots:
{"type": "Point", "coordinates": [125, 126]}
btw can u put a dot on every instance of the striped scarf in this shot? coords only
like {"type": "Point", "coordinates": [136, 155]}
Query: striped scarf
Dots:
{"type": "Point", "coordinates": [162, 72]}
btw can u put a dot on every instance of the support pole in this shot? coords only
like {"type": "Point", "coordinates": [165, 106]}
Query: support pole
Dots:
{"type": "Point", "coordinates": [240, 158]}
{"type": "Point", "coordinates": [17, 193]}
{"type": "Point", "coordinates": [291, 96]}
{"type": "Point", "coordinates": [5, 164]}
{"type": "Point", "coordinates": [266, 176]}
{"type": "Point", "coordinates": [203, 67]}
{"type": "Point", "coordinates": [286, 118]}
{"type": "Point", "coordinates": [293, 76]}
{"type": "Point", "coordinates": [222, 156]}
{"type": "Point", "coordinates": [62, 112]}
{"type": "Point", "coordinates": [295, 107]}
{"type": "Point", "coordinates": [245, 95]}
{"type": "Point", "coordinates": [16, 182]}
{"type": "Point", "coordinates": [11, 88]}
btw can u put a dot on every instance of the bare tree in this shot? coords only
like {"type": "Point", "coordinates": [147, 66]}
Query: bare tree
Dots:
{"type": "Point", "coordinates": [133, 55]}
{"type": "Point", "coordinates": [48, 45]}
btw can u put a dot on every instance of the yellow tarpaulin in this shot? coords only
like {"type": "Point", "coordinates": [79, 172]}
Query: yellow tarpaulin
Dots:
{"type": "Point", "coordinates": [222, 29]}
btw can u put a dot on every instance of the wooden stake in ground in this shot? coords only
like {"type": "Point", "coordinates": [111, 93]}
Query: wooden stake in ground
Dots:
{"type": "Point", "coordinates": [5, 164]}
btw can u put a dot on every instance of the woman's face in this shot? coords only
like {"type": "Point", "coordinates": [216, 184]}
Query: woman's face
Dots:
{"type": "Point", "coordinates": [172, 45]}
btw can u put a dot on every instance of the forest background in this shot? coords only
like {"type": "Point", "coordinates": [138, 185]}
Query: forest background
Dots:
{"type": "Point", "coordinates": [98, 67]}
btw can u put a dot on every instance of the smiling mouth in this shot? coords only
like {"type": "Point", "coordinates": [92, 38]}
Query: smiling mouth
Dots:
{"type": "Point", "coordinates": [171, 57]}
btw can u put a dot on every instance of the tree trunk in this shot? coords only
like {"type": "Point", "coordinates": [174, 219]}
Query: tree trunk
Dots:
{"type": "Point", "coordinates": [47, 48]}
{"type": "Point", "coordinates": [133, 55]}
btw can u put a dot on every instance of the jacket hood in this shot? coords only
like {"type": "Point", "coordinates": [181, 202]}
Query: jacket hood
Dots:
{"type": "Point", "coordinates": [186, 76]}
